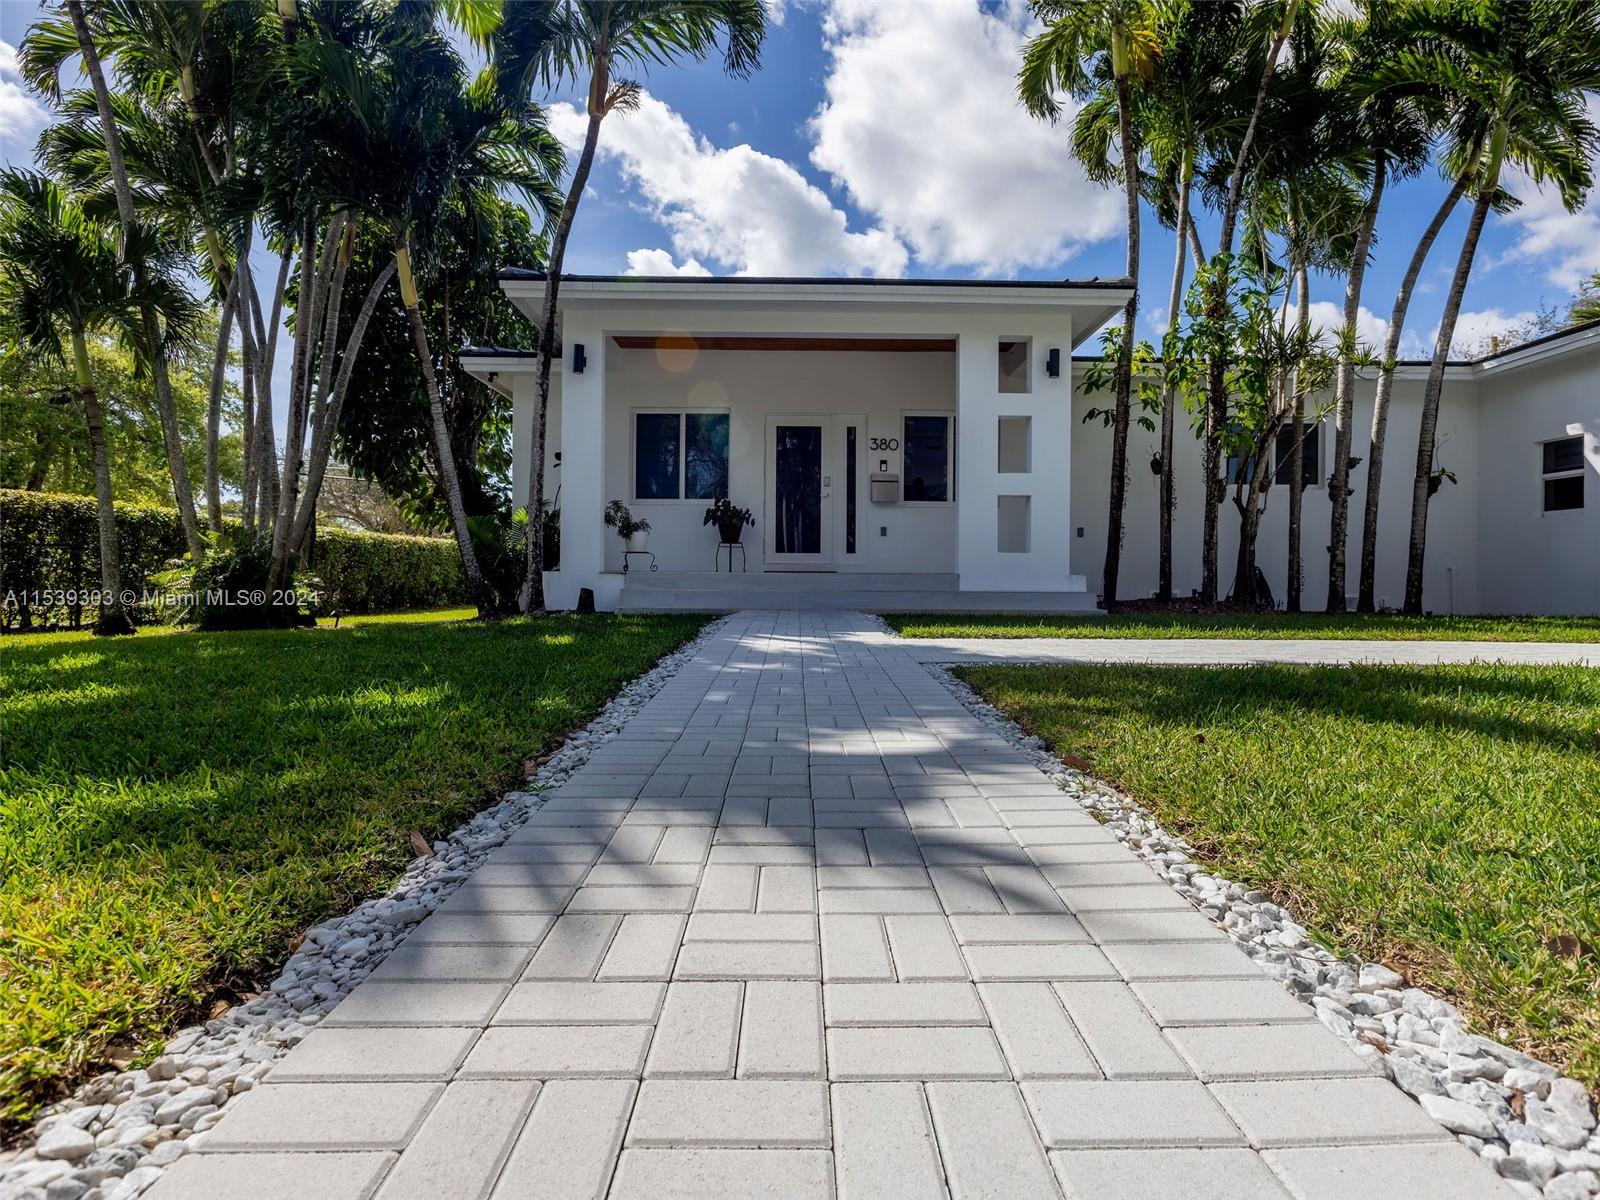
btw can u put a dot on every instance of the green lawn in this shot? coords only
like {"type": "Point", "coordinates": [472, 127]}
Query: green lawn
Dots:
{"type": "Point", "coordinates": [174, 807]}
{"type": "Point", "coordinates": [1248, 625]}
{"type": "Point", "coordinates": [1445, 820]}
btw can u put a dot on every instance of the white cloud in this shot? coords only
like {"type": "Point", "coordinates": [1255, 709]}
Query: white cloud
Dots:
{"type": "Point", "coordinates": [21, 116]}
{"type": "Point", "coordinates": [921, 126]}
{"type": "Point", "coordinates": [1327, 317]}
{"type": "Point", "coordinates": [660, 262]}
{"type": "Point", "coordinates": [738, 208]}
{"type": "Point", "coordinates": [1477, 333]}
{"type": "Point", "coordinates": [1568, 244]}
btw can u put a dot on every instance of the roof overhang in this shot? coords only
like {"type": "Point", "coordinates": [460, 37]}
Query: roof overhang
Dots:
{"type": "Point", "coordinates": [496, 366]}
{"type": "Point", "coordinates": [1090, 303]}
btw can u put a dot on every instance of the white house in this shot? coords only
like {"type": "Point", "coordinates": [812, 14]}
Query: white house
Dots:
{"type": "Point", "coordinates": [921, 444]}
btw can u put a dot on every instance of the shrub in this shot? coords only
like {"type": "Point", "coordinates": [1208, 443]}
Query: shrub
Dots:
{"type": "Point", "coordinates": [50, 552]}
{"type": "Point", "coordinates": [49, 549]}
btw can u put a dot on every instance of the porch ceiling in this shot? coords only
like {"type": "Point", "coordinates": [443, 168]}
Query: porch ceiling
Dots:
{"type": "Point", "coordinates": [756, 343]}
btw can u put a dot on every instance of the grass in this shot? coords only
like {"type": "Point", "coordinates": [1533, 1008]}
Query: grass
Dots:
{"type": "Point", "coordinates": [174, 808]}
{"type": "Point", "coordinates": [1445, 820]}
{"type": "Point", "coordinates": [1248, 625]}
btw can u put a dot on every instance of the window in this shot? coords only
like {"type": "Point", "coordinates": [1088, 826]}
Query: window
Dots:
{"type": "Point", "coordinates": [850, 489]}
{"type": "Point", "coordinates": [1563, 474]}
{"type": "Point", "coordinates": [1310, 455]}
{"type": "Point", "coordinates": [926, 458]}
{"type": "Point", "coordinates": [1014, 356]}
{"type": "Point", "coordinates": [1016, 437]}
{"type": "Point", "coordinates": [680, 456]}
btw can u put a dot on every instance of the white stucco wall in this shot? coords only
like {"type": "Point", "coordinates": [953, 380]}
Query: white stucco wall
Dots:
{"type": "Point", "coordinates": [1541, 562]}
{"type": "Point", "coordinates": [1452, 564]}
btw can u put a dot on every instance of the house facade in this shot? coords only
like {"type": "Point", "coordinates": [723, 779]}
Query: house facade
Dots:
{"type": "Point", "coordinates": [922, 444]}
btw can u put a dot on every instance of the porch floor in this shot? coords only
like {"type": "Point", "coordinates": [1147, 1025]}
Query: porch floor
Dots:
{"type": "Point", "coordinates": [705, 591]}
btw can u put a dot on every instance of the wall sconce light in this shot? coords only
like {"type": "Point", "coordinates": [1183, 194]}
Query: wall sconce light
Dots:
{"type": "Point", "coordinates": [494, 376]}
{"type": "Point", "coordinates": [579, 359]}
{"type": "Point", "coordinates": [1052, 364]}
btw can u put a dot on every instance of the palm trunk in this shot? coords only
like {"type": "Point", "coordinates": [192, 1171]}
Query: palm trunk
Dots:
{"type": "Point", "coordinates": [328, 422]}
{"type": "Point", "coordinates": [1124, 380]}
{"type": "Point", "coordinates": [1169, 398]}
{"type": "Point", "coordinates": [1422, 484]}
{"type": "Point", "coordinates": [1217, 376]}
{"type": "Point", "coordinates": [1366, 600]}
{"type": "Point", "coordinates": [219, 367]}
{"type": "Point", "coordinates": [266, 440]}
{"type": "Point", "coordinates": [1297, 468]}
{"type": "Point", "coordinates": [1344, 403]}
{"type": "Point", "coordinates": [448, 478]}
{"type": "Point", "coordinates": [182, 489]}
{"type": "Point", "coordinates": [113, 614]}
{"type": "Point", "coordinates": [533, 585]}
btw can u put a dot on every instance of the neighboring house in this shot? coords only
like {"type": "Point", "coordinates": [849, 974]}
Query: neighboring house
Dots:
{"type": "Point", "coordinates": [920, 444]}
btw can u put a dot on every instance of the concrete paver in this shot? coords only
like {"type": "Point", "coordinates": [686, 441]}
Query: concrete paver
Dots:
{"type": "Point", "coordinates": [807, 928]}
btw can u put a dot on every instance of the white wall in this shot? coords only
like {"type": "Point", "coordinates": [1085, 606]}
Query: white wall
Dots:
{"type": "Point", "coordinates": [751, 386]}
{"type": "Point", "coordinates": [1542, 562]}
{"type": "Point", "coordinates": [1452, 567]}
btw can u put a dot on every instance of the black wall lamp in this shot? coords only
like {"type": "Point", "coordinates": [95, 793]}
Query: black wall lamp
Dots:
{"type": "Point", "coordinates": [579, 358]}
{"type": "Point", "coordinates": [1052, 364]}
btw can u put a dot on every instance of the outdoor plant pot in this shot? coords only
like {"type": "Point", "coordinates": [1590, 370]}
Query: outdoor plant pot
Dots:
{"type": "Point", "coordinates": [638, 541]}
{"type": "Point", "coordinates": [731, 531]}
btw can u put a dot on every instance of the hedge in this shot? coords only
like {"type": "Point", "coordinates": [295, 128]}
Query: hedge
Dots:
{"type": "Point", "coordinates": [51, 544]}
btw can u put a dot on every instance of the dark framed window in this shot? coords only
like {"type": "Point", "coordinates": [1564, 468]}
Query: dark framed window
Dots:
{"type": "Point", "coordinates": [680, 456]}
{"type": "Point", "coordinates": [1310, 455]}
{"type": "Point", "coordinates": [1562, 467]}
{"type": "Point", "coordinates": [927, 458]}
{"type": "Point", "coordinates": [850, 489]}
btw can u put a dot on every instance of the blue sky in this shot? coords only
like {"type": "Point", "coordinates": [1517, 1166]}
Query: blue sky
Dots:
{"type": "Point", "coordinates": [883, 138]}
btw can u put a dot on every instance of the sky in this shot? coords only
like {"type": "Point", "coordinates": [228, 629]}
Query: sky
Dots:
{"type": "Point", "coordinates": [883, 138]}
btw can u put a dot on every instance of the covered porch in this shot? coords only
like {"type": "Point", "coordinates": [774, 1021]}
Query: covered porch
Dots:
{"type": "Point", "coordinates": [898, 445]}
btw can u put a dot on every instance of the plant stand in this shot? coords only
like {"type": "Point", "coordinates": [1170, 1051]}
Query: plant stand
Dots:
{"type": "Point", "coordinates": [628, 554]}
{"type": "Point", "coordinates": [744, 559]}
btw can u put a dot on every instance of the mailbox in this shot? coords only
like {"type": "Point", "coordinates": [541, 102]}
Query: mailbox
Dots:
{"type": "Point", "coordinates": [885, 488]}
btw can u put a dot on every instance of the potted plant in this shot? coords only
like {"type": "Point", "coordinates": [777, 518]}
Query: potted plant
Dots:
{"type": "Point", "coordinates": [729, 519]}
{"type": "Point", "coordinates": [631, 529]}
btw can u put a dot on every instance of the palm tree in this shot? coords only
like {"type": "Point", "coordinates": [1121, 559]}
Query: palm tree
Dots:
{"type": "Point", "coordinates": [63, 272]}
{"type": "Point", "coordinates": [545, 44]}
{"type": "Point", "coordinates": [1515, 76]}
{"type": "Point", "coordinates": [1366, 596]}
{"type": "Point", "coordinates": [42, 59]}
{"type": "Point", "coordinates": [424, 137]}
{"type": "Point", "coordinates": [1387, 134]}
{"type": "Point", "coordinates": [1082, 40]}
{"type": "Point", "coordinates": [1281, 22]}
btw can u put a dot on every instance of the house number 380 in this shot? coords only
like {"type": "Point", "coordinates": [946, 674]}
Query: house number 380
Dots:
{"type": "Point", "coordinates": [884, 443]}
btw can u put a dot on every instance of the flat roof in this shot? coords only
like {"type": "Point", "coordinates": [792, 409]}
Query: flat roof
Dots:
{"type": "Point", "coordinates": [527, 274]}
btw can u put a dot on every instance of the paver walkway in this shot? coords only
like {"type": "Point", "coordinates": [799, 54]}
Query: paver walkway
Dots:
{"type": "Point", "coordinates": [1236, 651]}
{"type": "Point", "coordinates": [807, 928]}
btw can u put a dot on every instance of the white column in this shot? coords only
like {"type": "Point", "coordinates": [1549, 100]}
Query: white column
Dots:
{"type": "Point", "coordinates": [582, 471]}
{"type": "Point", "coordinates": [1031, 509]}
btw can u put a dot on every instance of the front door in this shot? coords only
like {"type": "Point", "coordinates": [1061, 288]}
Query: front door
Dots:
{"type": "Point", "coordinates": [799, 492]}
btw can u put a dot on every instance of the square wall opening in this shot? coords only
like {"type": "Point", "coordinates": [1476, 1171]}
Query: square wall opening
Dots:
{"type": "Point", "coordinates": [1016, 355]}
{"type": "Point", "coordinates": [1016, 445]}
{"type": "Point", "coordinates": [1013, 526]}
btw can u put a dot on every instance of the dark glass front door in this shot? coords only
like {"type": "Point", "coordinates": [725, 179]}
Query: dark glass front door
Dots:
{"type": "Point", "coordinates": [797, 479]}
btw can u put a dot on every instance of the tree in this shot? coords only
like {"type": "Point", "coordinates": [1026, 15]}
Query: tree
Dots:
{"type": "Point", "coordinates": [1078, 38]}
{"type": "Point", "coordinates": [382, 430]}
{"type": "Point", "coordinates": [1387, 136]}
{"type": "Point", "coordinates": [430, 141]}
{"type": "Point", "coordinates": [555, 41]}
{"type": "Point", "coordinates": [1281, 22]}
{"type": "Point", "coordinates": [63, 273]}
{"type": "Point", "coordinates": [1586, 304]}
{"type": "Point", "coordinates": [1515, 77]}
{"type": "Point", "coordinates": [44, 445]}
{"type": "Point", "coordinates": [153, 337]}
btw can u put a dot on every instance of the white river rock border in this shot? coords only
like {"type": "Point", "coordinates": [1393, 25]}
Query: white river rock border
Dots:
{"type": "Point", "coordinates": [111, 1139]}
{"type": "Point", "coordinates": [1463, 1080]}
